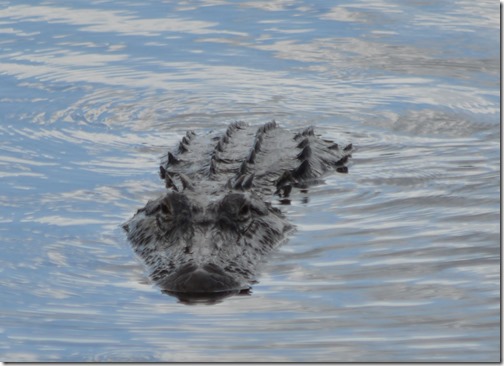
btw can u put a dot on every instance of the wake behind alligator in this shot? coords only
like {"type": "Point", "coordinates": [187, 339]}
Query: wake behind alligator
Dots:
{"type": "Point", "coordinates": [216, 223]}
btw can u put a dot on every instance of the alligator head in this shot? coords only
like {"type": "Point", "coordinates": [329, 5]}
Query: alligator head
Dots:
{"type": "Point", "coordinates": [198, 244]}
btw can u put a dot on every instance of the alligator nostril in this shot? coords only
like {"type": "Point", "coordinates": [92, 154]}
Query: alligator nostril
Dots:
{"type": "Point", "coordinates": [214, 269]}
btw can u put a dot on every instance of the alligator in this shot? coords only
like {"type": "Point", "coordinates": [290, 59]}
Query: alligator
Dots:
{"type": "Point", "coordinates": [217, 222]}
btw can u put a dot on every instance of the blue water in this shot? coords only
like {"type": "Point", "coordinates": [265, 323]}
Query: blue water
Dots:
{"type": "Point", "coordinates": [396, 261]}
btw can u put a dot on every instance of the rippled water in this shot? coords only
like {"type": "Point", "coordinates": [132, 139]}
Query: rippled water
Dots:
{"type": "Point", "coordinates": [396, 261]}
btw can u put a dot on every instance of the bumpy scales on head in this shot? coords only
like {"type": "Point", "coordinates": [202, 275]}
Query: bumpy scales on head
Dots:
{"type": "Point", "coordinates": [215, 224]}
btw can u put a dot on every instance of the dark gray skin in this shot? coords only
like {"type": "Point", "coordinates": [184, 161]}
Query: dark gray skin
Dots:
{"type": "Point", "coordinates": [216, 224]}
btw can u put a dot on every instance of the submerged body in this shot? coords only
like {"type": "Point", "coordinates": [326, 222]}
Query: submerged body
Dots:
{"type": "Point", "coordinates": [215, 224]}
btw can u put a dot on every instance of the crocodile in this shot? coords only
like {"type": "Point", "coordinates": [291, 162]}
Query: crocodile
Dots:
{"type": "Point", "coordinates": [217, 220]}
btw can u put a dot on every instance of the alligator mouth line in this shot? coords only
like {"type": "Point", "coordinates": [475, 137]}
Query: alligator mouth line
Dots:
{"type": "Point", "coordinates": [206, 298]}
{"type": "Point", "coordinates": [208, 285]}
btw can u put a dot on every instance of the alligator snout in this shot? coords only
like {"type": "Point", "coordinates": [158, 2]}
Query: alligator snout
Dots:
{"type": "Point", "coordinates": [207, 278]}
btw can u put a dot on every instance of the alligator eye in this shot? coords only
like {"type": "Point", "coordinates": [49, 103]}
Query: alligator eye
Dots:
{"type": "Point", "coordinates": [244, 210]}
{"type": "Point", "coordinates": [165, 209]}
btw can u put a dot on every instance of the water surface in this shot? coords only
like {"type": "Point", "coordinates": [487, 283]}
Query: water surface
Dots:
{"type": "Point", "coordinates": [396, 261]}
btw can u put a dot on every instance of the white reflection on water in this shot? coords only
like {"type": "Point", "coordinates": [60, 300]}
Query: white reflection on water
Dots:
{"type": "Point", "coordinates": [100, 20]}
{"type": "Point", "coordinates": [461, 17]}
{"type": "Point", "coordinates": [367, 13]}
{"type": "Point", "coordinates": [62, 221]}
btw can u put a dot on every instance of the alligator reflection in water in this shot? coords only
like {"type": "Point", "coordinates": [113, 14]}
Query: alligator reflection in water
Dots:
{"type": "Point", "coordinates": [206, 236]}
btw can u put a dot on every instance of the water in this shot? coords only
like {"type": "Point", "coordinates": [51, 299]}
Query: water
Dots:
{"type": "Point", "coordinates": [396, 261]}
